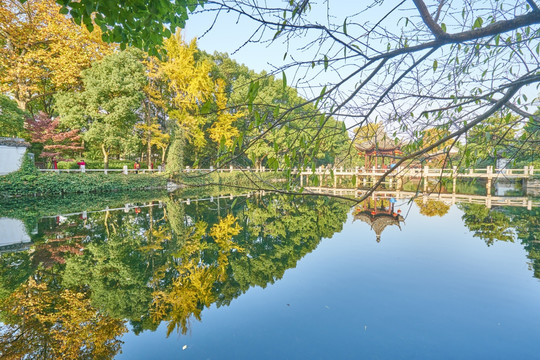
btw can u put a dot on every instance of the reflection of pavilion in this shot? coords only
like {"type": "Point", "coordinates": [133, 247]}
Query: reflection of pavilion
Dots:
{"type": "Point", "coordinates": [378, 214]}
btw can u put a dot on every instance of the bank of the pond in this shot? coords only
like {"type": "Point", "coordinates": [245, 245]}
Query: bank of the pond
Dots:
{"type": "Point", "coordinates": [28, 181]}
{"type": "Point", "coordinates": [266, 180]}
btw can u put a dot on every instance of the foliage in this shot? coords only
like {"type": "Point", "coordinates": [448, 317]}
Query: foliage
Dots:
{"type": "Point", "coordinates": [47, 323]}
{"type": "Point", "coordinates": [489, 225]}
{"type": "Point", "coordinates": [138, 23]}
{"type": "Point", "coordinates": [11, 118]}
{"type": "Point", "coordinates": [368, 132]}
{"type": "Point", "coordinates": [43, 51]}
{"type": "Point", "coordinates": [190, 87]}
{"type": "Point", "coordinates": [223, 130]}
{"type": "Point", "coordinates": [106, 108]}
{"type": "Point", "coordinates": [264, 142]}
{"type": "Point", "coordinates": [56, 144]}
{"type": "Point", "coordinates": [432, 207]}
{"type": "Point", "coordinates": [492, 139]}
{"type": "Point", "coordinates": [21, 183]}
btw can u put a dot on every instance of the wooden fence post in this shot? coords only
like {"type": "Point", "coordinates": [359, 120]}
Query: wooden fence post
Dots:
{"type": "Point", "coordinates": [425, 176]}
{"type": "Point", "coordinates": [454, 179]}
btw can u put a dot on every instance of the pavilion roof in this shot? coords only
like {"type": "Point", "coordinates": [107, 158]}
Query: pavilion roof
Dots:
{"type": "Point", "coordinates": [379, 221]}
{"type": "Point", "coordinates": [380, 142]}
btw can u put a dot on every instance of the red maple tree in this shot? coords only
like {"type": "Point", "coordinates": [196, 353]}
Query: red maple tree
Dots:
{"type": "Point", "coordinates": [57, 144]}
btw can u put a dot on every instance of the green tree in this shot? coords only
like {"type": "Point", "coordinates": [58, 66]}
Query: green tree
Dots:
{"type": "Point", "coordinates": [11, 118]}
{"type": "Point", "coordinates": [492, 139]}
{"type": "Point", "coordinates": [138, 23]}
{"type": "Point", "coordinates": [107, 109]}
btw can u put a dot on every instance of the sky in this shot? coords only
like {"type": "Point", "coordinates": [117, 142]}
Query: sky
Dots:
{"type": "Point", "coordinates": [231, 34]}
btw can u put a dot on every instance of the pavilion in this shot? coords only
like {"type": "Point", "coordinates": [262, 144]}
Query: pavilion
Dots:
{"type": "Point", "coordinates": [379, 145]}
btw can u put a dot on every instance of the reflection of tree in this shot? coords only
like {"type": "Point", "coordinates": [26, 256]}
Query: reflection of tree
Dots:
{"type": "Point", "coordinates": [506, 224]}
{"type": "Point", "coordinates": [168, 264]}
{"type": "Point", "coordinates": [277, 234]}
{"type": "Point", "coordinates": [55, 250]}
{"type": "Point", "coordinates": [487, 224]}
{"type": "Point", "coordinates": [432, 207]}
{"type": "Point", "coordinates": [192, 289]}
{"type": "Point", "coordinates": [15, 269]}
{"type": "Point", "coordinates": [527, 226]}
{"type": "Point", "coordinates": [116, 272]}
{"type": "Point", "coordinates": [46, 323]}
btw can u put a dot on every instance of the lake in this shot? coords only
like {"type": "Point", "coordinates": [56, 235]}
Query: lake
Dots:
{"type": "Point", "coordinates": [221, 275]}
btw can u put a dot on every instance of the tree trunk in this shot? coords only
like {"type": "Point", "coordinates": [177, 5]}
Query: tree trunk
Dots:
{"type": "Point", "coordinates": [148, 118]}
{"type": "Point", "coordinates": [21, 104]}
{"type": "Point", "coordinates": [163, 151]}
{"type": "Point", "coordinates": [105, 157]}
{"type": "Point", "coordinates": [149, 150]}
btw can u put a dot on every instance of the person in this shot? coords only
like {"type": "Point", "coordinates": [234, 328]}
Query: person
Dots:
{"type": "Point", "coordinates": [82, 164]}
{"type": "Point", "coordinates": [55, 164]}
{"type": "Point", "coordinates": [136, 166]}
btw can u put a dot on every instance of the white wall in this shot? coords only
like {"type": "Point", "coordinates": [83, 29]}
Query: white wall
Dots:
{"type": "Point", "coordinates": [13, 232]}
{"type": "Point", "coordinates": [10, 158]}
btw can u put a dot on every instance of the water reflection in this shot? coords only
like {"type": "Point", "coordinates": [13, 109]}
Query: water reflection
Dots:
{"type": "Point", "coordinates": [165, 261]}
{"type": "Point", "coordinates": [90, 274]}
{"type": "Point", "coordinates": [378, 213]}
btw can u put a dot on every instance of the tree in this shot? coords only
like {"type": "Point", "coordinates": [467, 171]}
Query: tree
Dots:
{"type": "Point", "coordinates": [56, 144]}
{"type": "Point", "coordinates": [191, 87]}
{"type": "Point", "coordinates": [155, 106]}
{"type": "Point", "coordinates": [198, 102]}
{"type": "Point", "coordinates": [435, 64]}
{"type": "Point", "coordinates": [107, 109]}
{"type": "Point", "coordinates": [11, 118]}
{"type": "Point", "coordinates": [43, 51]}
{"type": "Point", "coordinates": [264, 145]}
{"type": "Point", "coordinates": [138, 23]}
{"type": "Point", "coordinates": [492, 139]}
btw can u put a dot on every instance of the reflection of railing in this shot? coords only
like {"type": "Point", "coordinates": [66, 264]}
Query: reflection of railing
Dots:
{"type": "Point", "coordinates": [187, 201]}
{"type": "Point", "coordinates": [487, 200]}
{"type": "Point", "coordinates": [105, 171]}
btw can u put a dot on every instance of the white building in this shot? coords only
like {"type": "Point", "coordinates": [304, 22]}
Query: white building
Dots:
{"type": "Point", "coordinates": [14, 236]}
{"type": "Point", "coordinates": [11, 154]}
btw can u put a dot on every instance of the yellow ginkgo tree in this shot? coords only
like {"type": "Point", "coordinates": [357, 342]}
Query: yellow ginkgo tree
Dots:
{"type": "Point", "coordinates": [223, 129]}
{"type": "Point", "coordinates": [43, 51]}
{"type": "Point", "coordinates": [196, 97]}
{"type": "Point", "coordinates": [190, 86]}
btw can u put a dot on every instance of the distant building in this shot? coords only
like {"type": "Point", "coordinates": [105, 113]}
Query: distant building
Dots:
{"type": "Point", "coordinates": [12, 151]}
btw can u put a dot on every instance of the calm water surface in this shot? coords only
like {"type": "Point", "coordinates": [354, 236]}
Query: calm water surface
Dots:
{"type": "Point", "coordinates": [273, 278]}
